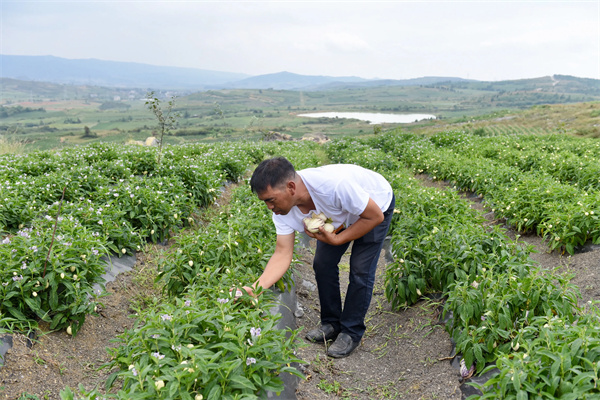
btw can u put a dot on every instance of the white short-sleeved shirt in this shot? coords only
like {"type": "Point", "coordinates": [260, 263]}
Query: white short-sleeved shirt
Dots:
{"type": "Point", "coordinates": [341, 192]}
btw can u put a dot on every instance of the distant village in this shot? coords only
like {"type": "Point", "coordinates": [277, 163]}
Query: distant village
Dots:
{"type": "Point", "coordinates": [133, 95]}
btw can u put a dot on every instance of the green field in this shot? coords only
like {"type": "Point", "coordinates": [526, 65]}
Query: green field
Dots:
{"type": "Point", "coordinates": [507, 310]}
{"type": "Point", "coordinates": [529, 149]}
{"type": "Point", "coordinates": [47, 116]}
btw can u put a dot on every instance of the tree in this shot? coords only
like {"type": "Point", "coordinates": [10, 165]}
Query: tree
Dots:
{"type": "Point", "coordinates": [166, 117]}
{"type": "Point", "coordinates": [219, 112]}
{"type": "Point", "coordinates": [87, 133]}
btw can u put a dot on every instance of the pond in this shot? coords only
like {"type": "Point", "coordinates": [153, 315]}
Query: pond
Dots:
{"type": "Point", "coordinates": [373, 118]}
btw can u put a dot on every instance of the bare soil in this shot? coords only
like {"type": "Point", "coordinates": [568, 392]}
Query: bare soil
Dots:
{"type": "Point", "coordinates": [404, 354]}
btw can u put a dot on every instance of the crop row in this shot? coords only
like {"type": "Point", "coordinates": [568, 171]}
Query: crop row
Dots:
{"type": "Point", "coordinates": [565, 215]}
{"type": "Point", "coordinates": [504, 130]}
{"type": "Point", "coordinates": [61, 212]}
{"type": "Point", "coordinates": [200, 343]}
{"type": "Point", "coordinates": [203, 343]}
{"type": "Point", "coordinates": [504, 308]}
{"type": "Point", "coordinates": [570, 160]}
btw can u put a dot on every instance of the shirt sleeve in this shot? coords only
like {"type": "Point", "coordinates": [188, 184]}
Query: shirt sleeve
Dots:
{"type": "Point", "coordinates": [281, 228]}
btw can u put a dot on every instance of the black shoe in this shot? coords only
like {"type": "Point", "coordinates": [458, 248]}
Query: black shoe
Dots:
{"type": "Point", "coordinates": [342, 347]}
{"type": "Point", "coordinates": [322, 334]}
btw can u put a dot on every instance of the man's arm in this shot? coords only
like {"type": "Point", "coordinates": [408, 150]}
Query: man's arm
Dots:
{"type": "Point", "coordinates": [369, 219]}
{"type": "Point", "coordinates": [278, 263]}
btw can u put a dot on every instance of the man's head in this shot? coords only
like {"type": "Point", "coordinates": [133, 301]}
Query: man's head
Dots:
{"type": "Point", "coordinates": [274, 172]}
{"type": "Point", "coordinates": [274, 183]}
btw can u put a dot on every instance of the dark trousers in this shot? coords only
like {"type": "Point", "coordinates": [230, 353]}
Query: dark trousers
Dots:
{"type": "Point", "coordinates": [363, 264]}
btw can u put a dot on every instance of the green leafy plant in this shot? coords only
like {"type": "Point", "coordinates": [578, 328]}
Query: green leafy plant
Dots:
{"type": "Point", "coordinates": [205, 344]}
{"type": "Point", "coordinates": [558, 361]}
{"type": "Point", "coordinates": [58, 290]}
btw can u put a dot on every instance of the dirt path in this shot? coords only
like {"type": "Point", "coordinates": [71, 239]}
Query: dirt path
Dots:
{"type": "Point", "coordinates": [398, 357]}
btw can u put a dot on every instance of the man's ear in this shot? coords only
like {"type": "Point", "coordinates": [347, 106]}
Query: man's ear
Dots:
{"type": "Point", "coordinates": [291, 187]}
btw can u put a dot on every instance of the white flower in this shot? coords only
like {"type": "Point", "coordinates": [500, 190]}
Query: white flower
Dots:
{"type": "Point", "coordinates": [159, 384]}
{"type": "Point", "coordinates": [464, 372]}
{"type": "Point", "coordinates": [191, 263]}
{"type": "Point", "coordinates": [255, 332]}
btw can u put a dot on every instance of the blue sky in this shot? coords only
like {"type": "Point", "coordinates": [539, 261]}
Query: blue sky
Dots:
{"type": "Point", "coordinates": [484, 40]}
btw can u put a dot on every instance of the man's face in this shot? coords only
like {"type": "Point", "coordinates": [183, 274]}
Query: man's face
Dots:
{"type": "Point", "coordinates": [279, 199]}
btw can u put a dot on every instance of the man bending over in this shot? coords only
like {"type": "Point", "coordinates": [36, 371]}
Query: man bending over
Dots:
{"type": "Point", "coordinates": [360, 204]}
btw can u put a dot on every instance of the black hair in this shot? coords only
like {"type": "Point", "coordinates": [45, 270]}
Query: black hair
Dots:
{"type": "Point", "coordinates": [272, 172]}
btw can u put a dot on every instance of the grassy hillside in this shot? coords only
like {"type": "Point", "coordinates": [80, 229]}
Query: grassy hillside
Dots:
{"type": "Point", "coordinates": [580, 119]}
{"type": "Point", "coordinates": [42, 115]}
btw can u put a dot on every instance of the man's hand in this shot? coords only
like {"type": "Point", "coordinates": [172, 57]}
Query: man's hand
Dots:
{"type": "Point", "coordinates": [369, 219]}
{"type": "Point", "coordinates": [248, 290]}
{"type": "Point", "coordinates": [239, 293]}
{"type": "Point", "coordinates": [277, 266]}
{"type": "Point", "coordinates": [324, 236]}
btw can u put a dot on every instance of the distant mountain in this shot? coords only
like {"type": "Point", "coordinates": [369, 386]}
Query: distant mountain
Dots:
{"type": "Point", "coordinates": [92, 72]}
{"type": "Point", "coordinates": [564, 84]}
{"type": "Point", "coordinates": [424, 81]}
{"type": "Point", "coordinates": [290, 81]}
{"type": "Point", "coordinates": [110, 73]}
{"type": "Point", "coordinates": [123, 75]}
